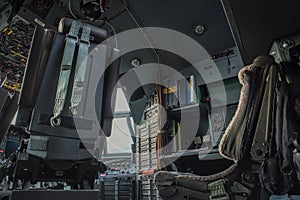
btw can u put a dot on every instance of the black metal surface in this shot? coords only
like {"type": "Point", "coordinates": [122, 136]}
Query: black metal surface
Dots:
{"type": "Point", "coordinates": [181, 16]}
{"type": "Point", "coordinates": [256, 23]}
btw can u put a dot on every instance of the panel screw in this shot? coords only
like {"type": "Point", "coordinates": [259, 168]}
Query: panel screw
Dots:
{"type": "Point", "coordinates": [199, 30]}
{"type": "Point", "coordinates": [73, 110]}
{"type": "Point", "coordinates": [135, 62]}
{"type": "Point", "coordinates": [248, 177]}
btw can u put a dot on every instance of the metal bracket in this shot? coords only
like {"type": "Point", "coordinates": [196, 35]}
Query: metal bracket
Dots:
{"type": "Point", "coordinates": [263, 130]}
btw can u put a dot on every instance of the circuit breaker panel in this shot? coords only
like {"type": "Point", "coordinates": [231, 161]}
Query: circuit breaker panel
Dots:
{"type": "Point", "coordinates": [147, 157]}
{"type": "Point", "coordinates": [146, 145]}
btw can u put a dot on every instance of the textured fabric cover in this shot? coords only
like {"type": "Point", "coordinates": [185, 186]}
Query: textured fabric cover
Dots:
{"type": "Point", "coordinates": [232, 143]}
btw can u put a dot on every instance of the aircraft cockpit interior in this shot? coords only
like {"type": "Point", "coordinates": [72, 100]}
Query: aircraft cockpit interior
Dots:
{"type": "Point", "coordinates": [149, 100]}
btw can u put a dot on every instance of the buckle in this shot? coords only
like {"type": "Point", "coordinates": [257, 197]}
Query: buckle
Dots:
{"type": "Point", "coordinates": [72, 37]}
{"type": "Point", "coordinates": [85, 42]}
{"type": "Point", "coordinates": [218, 191]}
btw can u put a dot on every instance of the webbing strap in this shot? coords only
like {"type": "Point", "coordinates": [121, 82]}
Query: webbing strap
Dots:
{"type": "Point", "coordinates": [65, 72]}
{"type": "Point", "coordinates": [218, 191]}
{"type": "Point", "coordinates": [81, 64]}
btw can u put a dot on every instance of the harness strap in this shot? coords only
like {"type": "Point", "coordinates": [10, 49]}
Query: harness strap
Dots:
{"type": "Point", "coordinates": [218, 191]}
{"type": "Point", "coordinates": [65, 72]}
{"type": "Point", "coordinates": [80, 70]}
